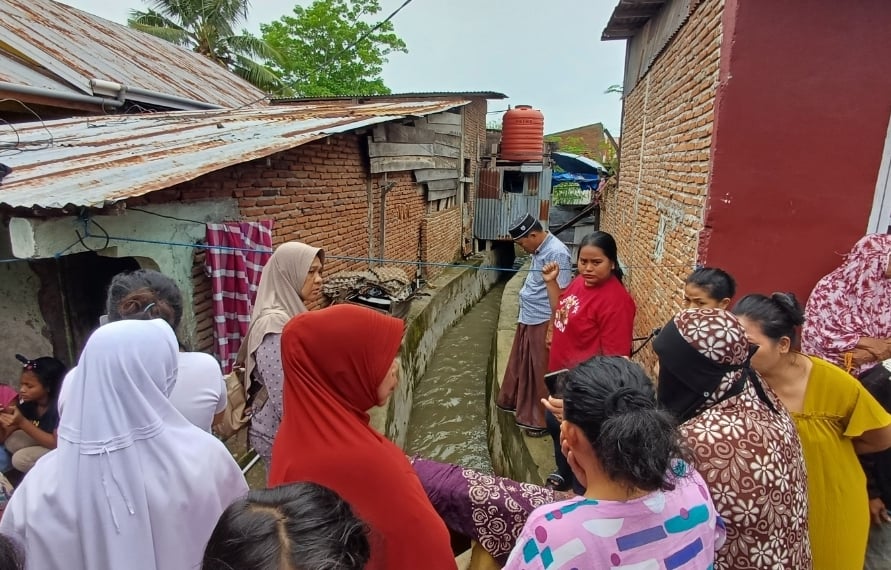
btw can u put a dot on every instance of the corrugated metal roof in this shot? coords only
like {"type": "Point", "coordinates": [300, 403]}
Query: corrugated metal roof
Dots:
{"type": "Point", "coordinates": [66, 48]}
{"type": "Point", "coordinates": [629, 16]}
{"type": "Point", "coordinates": [428, 94]}
{"type": "Point", "coordinates": [97, 161]}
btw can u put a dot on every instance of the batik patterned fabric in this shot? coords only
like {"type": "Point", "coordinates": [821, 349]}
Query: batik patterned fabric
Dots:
{"type": "Point", "coordinates": [749, 454]}
{"type": "Point", "coordinates": [489, 509]}
{"type": "Point", "coordinates": [850, 303]}
{"type": "Point", "coordinates": [665, 530]}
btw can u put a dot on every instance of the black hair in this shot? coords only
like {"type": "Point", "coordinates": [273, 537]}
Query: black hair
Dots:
{"type": "Point", "coordinates": [301, 526]}
{"type": "Point", "coordinates": [607, 244]}
{"type": "Point", "coordinates": [778, 315]}
{"type": "Point", "coordinates": [11, 556]}
{"type": "Point", "coordinates": [716, 282]}
{"type": "Point", "coordinates": [613, 402]}
{"type": "Point", "coordinates": [49, 372]}
{"type": "Point", "coordinates": [154, 287]}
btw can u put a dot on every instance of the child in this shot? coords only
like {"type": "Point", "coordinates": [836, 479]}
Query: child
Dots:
{"type": "Point", "coordinates": [709, 288]}
{"type": "Point", "coordinates": [30, 427]}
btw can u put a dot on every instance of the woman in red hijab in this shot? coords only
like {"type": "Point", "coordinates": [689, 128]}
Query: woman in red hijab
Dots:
{"type": "Point", "coordinates": [339, 362]}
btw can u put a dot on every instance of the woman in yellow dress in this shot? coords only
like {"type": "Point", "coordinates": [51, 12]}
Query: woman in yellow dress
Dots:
{"type": "Point", "coordinates": [836, 419]}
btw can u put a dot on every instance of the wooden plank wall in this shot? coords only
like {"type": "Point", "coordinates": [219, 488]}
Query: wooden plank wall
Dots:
{"type": "Point", "coordinates": [430, 147]}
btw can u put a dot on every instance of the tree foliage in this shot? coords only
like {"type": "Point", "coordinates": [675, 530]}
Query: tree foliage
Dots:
{"type": "Point", "coordinates": [208, 27]}
{"type": "Point", "coordinates": [329, 48]}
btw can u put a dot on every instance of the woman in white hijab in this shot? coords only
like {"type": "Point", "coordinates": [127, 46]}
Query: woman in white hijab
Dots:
{"type": "Point", "coordinates": [292, 279]}
{"type": "Point", "coordinates": [132, 483]}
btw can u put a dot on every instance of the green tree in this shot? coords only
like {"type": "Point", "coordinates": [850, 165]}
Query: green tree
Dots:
{"type": "Point", "coordinates": [328, 48]}
{"type": "Point", "coordinates": [208, 27]}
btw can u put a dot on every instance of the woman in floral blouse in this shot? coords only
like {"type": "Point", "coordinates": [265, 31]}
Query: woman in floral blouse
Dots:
{"type": "Point", "coordinates": [743, 440]}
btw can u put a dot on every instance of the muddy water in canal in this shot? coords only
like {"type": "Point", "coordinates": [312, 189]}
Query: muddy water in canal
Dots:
{"type": "Point", "coordinates": [448, 417]}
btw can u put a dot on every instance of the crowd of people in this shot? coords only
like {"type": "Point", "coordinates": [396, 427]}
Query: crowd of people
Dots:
{"type": "Point", "coordinates": [759, 442]}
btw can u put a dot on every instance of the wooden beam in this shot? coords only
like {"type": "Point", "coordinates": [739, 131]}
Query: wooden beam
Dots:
{"type": "Point", "coordinates": [454, 130]}
{"type": "Point", "coordinates": [400, 163]}
{"type": "Point", "coordinates": [447, 151]}
{"type": "Point", "coordinates": [441, 194]}
{"type": "Point", "coordinates": [437, 185]}
{"type": "Point", "coordinates": [379, 134]}
{"type": "Point", "coordinates": [427, 175]}
{"type": "Point", "coordinates": [448, 140]}
{"type": "Point", "coordinates": [376, 150]}
{"type": "Point", "coordinates": [408, 134]}
{"type": "Point", "coordinates": [444, 119]}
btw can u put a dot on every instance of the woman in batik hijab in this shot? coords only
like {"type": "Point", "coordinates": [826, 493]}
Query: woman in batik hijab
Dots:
{"type": "Point", "coordinates": [743, 440]}
{"type": "Point", "coordinates": [848, 315]}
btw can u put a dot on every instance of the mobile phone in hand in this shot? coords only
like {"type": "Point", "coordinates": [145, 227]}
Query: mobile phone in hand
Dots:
{"type": "Point", "coordinates": [555, 382]}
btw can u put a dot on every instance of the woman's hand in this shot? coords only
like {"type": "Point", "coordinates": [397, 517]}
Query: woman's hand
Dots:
{"type": "Point", "coordinates": [872, 350]}
{"type": "Point", "coordinates": [878, 513]}
{"type": "Point", "coordinates": [555, 406]}
{"type": "Point", "coordinates": [550, 272]}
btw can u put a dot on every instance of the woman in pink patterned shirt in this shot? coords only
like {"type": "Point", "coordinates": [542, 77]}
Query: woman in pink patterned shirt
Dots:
{"type": "Point", "coordinates": [644, 507]}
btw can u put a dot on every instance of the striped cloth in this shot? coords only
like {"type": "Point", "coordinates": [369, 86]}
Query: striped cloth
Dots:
{"type": "Point", "coordinates": [235, 276]}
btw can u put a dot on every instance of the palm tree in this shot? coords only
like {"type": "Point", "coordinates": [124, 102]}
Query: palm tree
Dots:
{"type": "Point", "coordinates": [208, 27]}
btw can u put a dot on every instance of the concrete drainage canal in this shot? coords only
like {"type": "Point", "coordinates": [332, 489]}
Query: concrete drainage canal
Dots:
{"type": "Point", "coordinates": [448, 417]}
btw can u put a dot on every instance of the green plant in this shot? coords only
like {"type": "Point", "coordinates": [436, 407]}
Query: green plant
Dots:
{"type": "Point", "coordinates": [329, 49]}
{"type": "Point", "coordinates": [209, 28]}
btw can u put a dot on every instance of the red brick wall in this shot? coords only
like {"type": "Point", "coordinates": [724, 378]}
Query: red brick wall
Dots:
{"type": "Point", "coordinates": [441, 238]}
{"type": "Point", "coordinates": [318, 194]}
{"type": "Point", "coordinates": [664, 173]}
{"type": "Point", "coordinates": [203, 305]}
{"type": "Point", "coordinates": [474, 141]}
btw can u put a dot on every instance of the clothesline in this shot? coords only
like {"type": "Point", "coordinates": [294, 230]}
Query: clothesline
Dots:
{"type": "Point", "coordinates": [380, 260]}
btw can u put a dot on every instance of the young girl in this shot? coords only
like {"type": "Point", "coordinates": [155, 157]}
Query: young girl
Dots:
{"type": "Point", "coordinates": [709, 288]}
{"type": "Point", "coordinates": [30, 426]}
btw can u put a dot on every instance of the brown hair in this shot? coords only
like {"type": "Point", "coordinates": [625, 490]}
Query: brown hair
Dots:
{"type": "Point", "coordinates": [144, 304]}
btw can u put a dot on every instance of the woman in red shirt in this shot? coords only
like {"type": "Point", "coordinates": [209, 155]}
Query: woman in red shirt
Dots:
{"type": "Point", "coordinates": [593, 316]}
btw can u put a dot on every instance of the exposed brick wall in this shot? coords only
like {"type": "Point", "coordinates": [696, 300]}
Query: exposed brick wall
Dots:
{"type": "Point", "coordinates": [203, 305]}
{"type": "Point", "coordinates": [318, 194]}
{"type": "Point", "coordinates": [440, 239]}
{"type": "Point", "coordinates": [474, 141]}
{"type": "Point", "coordinates": [666, 140]}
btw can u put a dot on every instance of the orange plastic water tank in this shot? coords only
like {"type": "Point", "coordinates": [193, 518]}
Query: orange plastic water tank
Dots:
{"type": "Point", "coordinates": [522, 134]}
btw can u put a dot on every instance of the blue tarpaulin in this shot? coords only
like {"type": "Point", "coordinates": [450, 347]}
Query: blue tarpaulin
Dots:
{"type": "Point", "coordinates": [585, 181]}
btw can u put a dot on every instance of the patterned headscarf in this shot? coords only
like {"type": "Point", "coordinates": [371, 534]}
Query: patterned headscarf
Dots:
{"type": "Point", "coordinates": [703, 359]}
{"type": "Point", "coordinates": [853, 301]}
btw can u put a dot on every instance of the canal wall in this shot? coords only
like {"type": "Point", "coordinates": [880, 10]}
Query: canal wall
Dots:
{"type": "Point", "coordinates": [445, 299]}
{"type": "Point", "coordinates": [514, 454]}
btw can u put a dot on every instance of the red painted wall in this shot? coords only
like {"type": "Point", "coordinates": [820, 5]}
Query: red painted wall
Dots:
{"type": "Point", "coordinates": [801, 115]}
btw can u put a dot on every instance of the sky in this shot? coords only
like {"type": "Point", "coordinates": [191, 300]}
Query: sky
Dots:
{"type": "Point", "coordinates": [544, 53]}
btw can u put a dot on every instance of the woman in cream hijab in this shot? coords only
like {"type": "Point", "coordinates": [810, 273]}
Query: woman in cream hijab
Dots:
{"type": "Point", "coordinates": [132, 483]}
{"type": "Point", "coordinates": [291, 279]}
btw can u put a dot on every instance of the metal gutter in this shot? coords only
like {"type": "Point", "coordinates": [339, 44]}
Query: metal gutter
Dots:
{"type": "Point", "coordinates": [53, 94]}
{"type": "Point", "coordinates": [122, 92]}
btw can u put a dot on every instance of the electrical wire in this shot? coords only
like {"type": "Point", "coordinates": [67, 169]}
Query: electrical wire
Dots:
{"type": "Point", "coordinates": [365, 36]}
{"type": "Point", "coordinates": [47, 143]}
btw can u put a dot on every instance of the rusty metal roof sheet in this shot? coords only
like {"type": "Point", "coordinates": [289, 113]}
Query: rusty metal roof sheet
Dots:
{"type": "Point", "coordinates": [629, 16]}
{"type": "Point", "coordinates": [419, 95]}
{"type": "Point", "coordinates": [65, 48]}
{"type": "Point", "coordinates": [93, 162]}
